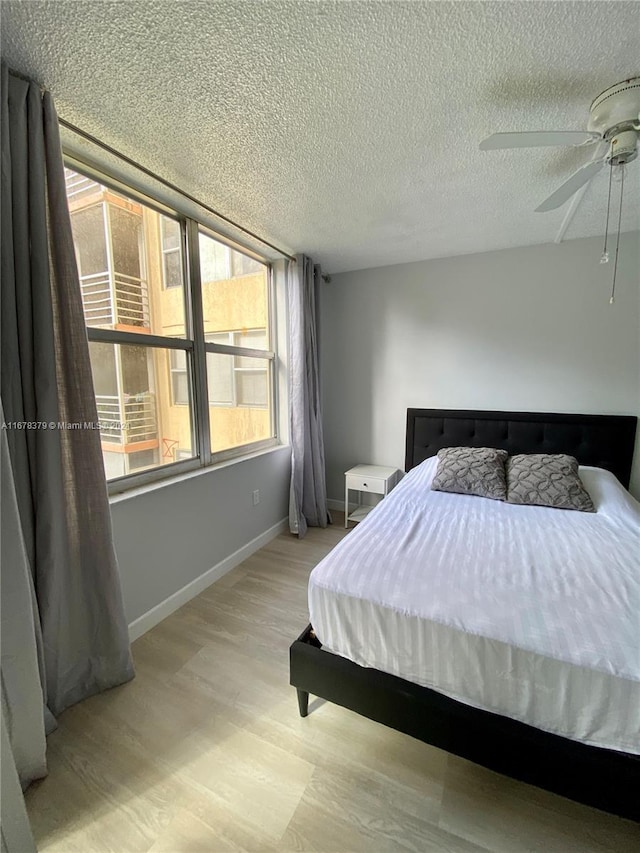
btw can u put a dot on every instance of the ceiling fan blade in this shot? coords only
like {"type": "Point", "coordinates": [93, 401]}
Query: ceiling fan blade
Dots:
{"type": "Point", "coordinates": [571, 186]}
{"type": "Point", "coordinates": [539, 138]}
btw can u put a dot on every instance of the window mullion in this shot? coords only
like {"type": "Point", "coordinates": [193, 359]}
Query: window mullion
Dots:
{"type": "Point", "coordinates": [201, 404]}
{"type": "Point", "coordinates": [115, 336]}
{"type": "Point", "coordinates": [245, 352]}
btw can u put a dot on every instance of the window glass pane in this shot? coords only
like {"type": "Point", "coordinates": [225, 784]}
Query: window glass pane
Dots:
{"type": "Point", "coordinates": [129, 261]}
{"type": "Point", "coordinates": [80, 187]}
{"type": "Point", "coordinates": [252, 387]}
{"type": "Point", "coordinates": [243, 264]}
{"type": "Point", "coordinates": [172, 251]}
{"type": "Point", "coordinates": [89, 239]}
{"type": "Point", "coordinates": [104, 369]}
{"type": "Point", "coordinates": [172, 269]}
{"type": "Point", "coordinates": [214, 260]}
{"type": "Point", "coordinates": [233, 304]}
{"type": "Point", "coordinates": [126, 241]}
{"type": "Point", "coordinates": [180, 389]}
{"type": "Point", "coordinates": [141, 424]}
{"type": "Point", "coordinates": [247, 418]}
{"type": "Point", "coordinates": [220, 379]}
{"type": "Point", "coordinates": [170, 233]}
{"type": "Point", "coordinates": [251, 374]}
{"type": "Point", "coordinates": [179, 377]}
{"type": "Point", "coordinates": [220, 372]}
{"type": "Point", "coordinates": [253, 338]}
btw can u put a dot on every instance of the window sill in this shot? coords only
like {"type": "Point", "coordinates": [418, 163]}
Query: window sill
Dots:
{"type": "Point", "coordinates": [136, 491]}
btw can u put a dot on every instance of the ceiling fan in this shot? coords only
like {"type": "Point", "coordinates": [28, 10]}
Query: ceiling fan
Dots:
{"type": "Point", "coordinates": [614, 120]}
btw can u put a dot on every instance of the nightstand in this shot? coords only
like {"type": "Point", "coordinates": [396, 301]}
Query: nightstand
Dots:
{"type": "Point", "coordinates": [373, 479]}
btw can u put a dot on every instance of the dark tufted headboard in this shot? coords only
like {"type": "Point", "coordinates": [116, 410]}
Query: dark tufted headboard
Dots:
{"type": "Point", "coordinates": [605, 441]}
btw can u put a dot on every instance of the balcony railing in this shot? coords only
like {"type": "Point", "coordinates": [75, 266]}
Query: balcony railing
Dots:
{"type": "Point", "coordinates": [97, 299]}
{"type": "Point", "coordinates": [121, 301]}
{"type": "Point", "coordinates": [78, 184]}
{"type": "Point", "coordinates": [127, 421]}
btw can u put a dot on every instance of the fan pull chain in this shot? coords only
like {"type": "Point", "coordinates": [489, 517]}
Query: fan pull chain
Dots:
{"type": "Point", "coordinates": [604, 257]}
{"type": "Point", "coordinates": [615, 262]}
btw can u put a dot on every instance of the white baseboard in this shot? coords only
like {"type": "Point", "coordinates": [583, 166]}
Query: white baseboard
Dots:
{"type": "Point", "coordinates": [152, 617]}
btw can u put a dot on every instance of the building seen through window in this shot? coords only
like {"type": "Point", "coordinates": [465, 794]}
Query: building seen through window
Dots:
{"type": "Point", "coordinates": [131, 263]}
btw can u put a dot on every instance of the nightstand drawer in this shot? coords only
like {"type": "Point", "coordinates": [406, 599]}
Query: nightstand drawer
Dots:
{"type": "Point", "coordinates": [374, 479]}
{"type": "Point", "coordinates": [366, 484]}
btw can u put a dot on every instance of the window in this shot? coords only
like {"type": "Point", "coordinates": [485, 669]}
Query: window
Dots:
{"type": "Point", "coordinates": [171, 254]}
{"type": "Point", "coordinates": [219, 261]}
{"type": "Point", "coordinates": [243, 264]}
{"type": "Point", "coordinates": [237, 333]}
{"type": "Point", "coordinates": [183, 370]}
{"type": "Point", "coordinates": [179, 378]}
{"type": "Point", "coordinates": [240, 380]}
{"type": "Point", "coordinates": [214, 260]}
{"type": "Point", "coordinates": [220, 372]}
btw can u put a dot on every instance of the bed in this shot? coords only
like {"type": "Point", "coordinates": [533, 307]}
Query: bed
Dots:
{"type": "Point", "coordinates": [359, 667]}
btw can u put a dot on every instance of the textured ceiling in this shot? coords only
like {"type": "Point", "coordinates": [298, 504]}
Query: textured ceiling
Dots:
{"type": "Point", "coordinates": [346, 130]}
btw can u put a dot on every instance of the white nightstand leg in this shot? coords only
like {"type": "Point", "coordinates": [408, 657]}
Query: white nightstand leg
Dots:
{"type": "Point", "coordinates": [346, 505]}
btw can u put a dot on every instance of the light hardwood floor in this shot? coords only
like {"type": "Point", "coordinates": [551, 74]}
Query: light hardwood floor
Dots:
{"type": "Point", "coordinates": [205, 751]}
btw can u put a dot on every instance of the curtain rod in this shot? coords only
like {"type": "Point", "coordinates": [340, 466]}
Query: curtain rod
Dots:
{"type": "Point", "coordinates": [90, 138]}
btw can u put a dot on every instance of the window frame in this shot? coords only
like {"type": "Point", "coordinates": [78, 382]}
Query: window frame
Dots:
{"type": "Point", "coordinates": [193, 344]}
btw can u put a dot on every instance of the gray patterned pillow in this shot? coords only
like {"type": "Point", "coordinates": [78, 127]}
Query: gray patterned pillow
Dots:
{"type": "Point", "coordinates": [543, 479]}
{"type": "Point", "coordinates": [472, 471]}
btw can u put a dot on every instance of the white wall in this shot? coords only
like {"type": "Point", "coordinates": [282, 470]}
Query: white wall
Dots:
{"type": "Point", "coordinates": [168, 536]}
{"type": "Point", "coordinates": [523, 329]}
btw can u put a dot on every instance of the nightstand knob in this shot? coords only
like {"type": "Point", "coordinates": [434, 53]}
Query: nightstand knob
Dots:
{"type": "Point", "coordinates": [365, 485]}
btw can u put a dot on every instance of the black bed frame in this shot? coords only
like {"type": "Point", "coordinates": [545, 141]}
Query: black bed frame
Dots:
{"type": "Point", "coordinates": [603, 778]}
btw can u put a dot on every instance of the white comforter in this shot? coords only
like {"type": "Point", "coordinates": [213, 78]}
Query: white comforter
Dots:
{"type": "Point", "coordinates": [526, 611]}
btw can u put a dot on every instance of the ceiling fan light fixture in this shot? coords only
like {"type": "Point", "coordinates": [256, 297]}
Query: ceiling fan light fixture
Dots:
{"type": "Point", "coordinates": [624, 148]}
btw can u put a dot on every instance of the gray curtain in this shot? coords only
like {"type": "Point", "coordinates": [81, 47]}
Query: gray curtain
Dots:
{"type": "Point", "coordinates": [22, 737]}
{"type": "Point", "coordinates": [81, 634]}
{"type": "Point", "coordinates": [15, 832]}
{"type": "Point", "coordinates": [308, 493]}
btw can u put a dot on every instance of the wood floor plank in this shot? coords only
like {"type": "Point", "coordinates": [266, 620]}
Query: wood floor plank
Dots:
{"type": "Point", "coordinates": [343, 810]}
{"type": "Point", "coordinates": [205, 751]}
{"type": "Point", "coordinates": [511, 817]}
{"type": "Point", "coordinates": [261, 784]}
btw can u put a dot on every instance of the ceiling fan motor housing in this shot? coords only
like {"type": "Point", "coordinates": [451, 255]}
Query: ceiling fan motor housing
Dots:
{"type": "Point", "coordinates": [616, 109]}
{"type": "Point", "coordinates": [614, 122]}
{"type": "Point", "coordinates": [615, 113]}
